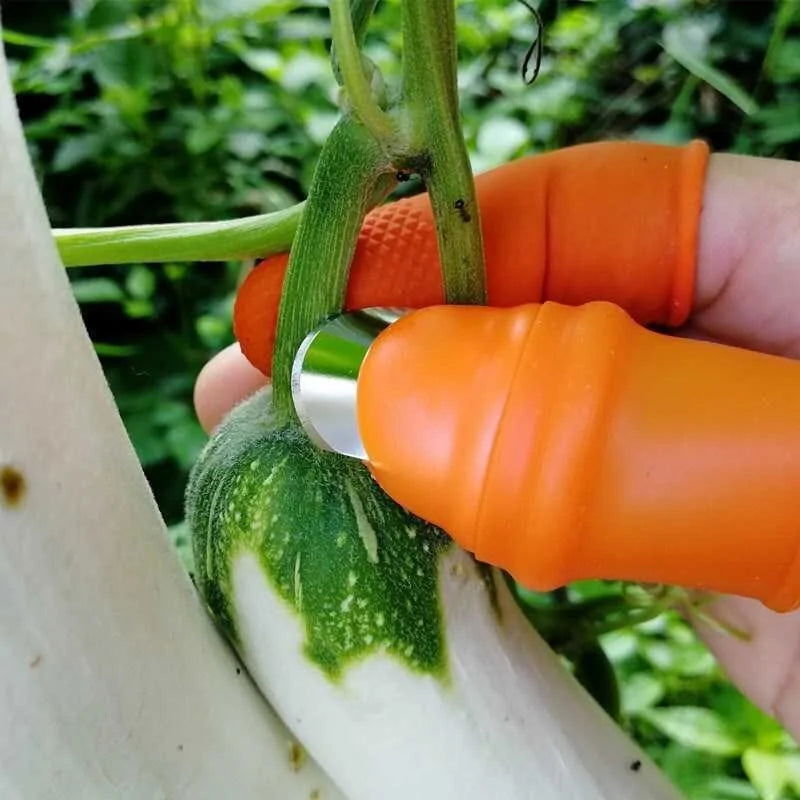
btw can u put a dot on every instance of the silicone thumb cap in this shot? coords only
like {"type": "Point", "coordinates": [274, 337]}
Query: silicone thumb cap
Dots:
{"type": "Point", "coordinates": [431, 394]}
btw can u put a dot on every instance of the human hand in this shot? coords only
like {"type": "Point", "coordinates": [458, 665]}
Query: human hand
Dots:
{"type": "Point", "coordinates": [748, 285]}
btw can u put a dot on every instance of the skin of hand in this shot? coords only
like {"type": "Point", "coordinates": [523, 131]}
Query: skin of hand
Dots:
{"type": "Point", "coordinates": [747, 294]}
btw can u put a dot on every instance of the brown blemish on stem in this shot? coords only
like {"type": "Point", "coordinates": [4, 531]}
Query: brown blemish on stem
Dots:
{"type": "Point", "coordinates": [12, 486]}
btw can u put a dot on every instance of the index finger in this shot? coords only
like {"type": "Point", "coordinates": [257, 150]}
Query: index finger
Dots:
{"type": "Point", "coordinates": [747, 288]}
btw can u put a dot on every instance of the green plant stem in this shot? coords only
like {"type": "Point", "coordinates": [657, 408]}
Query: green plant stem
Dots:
{"type": "Point", "coordinates": [360, 13]}
{"type": "Point", "coordinates": [352, 175]}
{"type": "Point", "coordinates": [431, 94]}
{"type": "Point", "coordinates": [354, 79]}
{"type": "Point", "coordinates": [248, 237]}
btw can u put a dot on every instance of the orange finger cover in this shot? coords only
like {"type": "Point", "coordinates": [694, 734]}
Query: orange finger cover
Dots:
{"type": "Point", "coordinates": [564, 443]}
{"type": "Point", "coordinates": [613, 221]}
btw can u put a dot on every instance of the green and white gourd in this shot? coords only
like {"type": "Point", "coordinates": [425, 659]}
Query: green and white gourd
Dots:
{"type": "Point", "coordinates": [113, 681]}
{"type": "Point", "coordinates": [405, 668]}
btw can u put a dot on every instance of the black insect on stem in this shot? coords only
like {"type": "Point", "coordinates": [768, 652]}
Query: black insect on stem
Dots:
{"type": "Point", "coordinates": [533, 58]}
{"type": "Point", "coordinates": [461, 207]}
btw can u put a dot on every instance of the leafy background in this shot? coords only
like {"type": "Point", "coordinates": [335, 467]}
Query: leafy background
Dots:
{"type": "Point", "coordinates": [160, 110]}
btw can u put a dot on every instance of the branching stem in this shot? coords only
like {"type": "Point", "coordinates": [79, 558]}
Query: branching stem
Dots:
{"type": "Point", "coordinates": [355, 81]}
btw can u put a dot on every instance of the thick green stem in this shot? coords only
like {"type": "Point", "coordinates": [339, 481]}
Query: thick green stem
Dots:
{"type": "Point", "coordinates": [248, 237]}
{"type": "Point", "coordinates": [431, 94]}
{"type": "Point", "coordinates": [351, 176]}
{"type": "Point", "coordinates": [354, 78]}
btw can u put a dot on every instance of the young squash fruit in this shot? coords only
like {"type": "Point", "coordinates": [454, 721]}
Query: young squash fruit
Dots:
{"type": "Point", "coordinates": [404, 667]}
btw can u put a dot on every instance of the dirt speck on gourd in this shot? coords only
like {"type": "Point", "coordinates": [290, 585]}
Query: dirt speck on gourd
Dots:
{"type": "Point", "coordinates": [297, 756]}
{"type": "Point", "coordinates": [12, 486]}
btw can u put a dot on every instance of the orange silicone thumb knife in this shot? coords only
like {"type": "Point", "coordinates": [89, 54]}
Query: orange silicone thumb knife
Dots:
{"type": "Point", "coordinates": [613, 221]}
{"type": "Point", "coordinates": [562, 443]}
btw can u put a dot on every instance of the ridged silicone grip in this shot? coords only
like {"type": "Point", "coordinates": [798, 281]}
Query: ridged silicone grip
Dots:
{"type": "Point", "coordinates": [611, 221]}
{"type": "Point", "coordinates": [565, 443]}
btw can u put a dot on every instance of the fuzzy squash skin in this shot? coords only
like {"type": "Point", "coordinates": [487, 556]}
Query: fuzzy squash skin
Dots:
{"type": "Point", "coordinates": [358, 570]}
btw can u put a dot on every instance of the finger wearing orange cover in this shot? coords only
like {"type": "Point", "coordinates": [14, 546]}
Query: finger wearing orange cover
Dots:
{"type": "Point", "coordinates": [563, 443]}
{"type": "Point", "coordinates": [616, 221]}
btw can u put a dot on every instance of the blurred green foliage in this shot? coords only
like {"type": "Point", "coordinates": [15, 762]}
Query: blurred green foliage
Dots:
{"type": "Point", "coordinates": [711, 740]}
{"type": "Point", "coordinates": [158, 110]}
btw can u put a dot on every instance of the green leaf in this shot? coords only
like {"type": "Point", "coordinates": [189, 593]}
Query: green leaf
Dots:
{"type": "Point", "coordinates": [747, 721]}
{"type": "Point", "coordinates": [619, 645]}
{"type": "Point", "coordinates": [185, 441]}
{"type": "Point", "coordinates": [319, 125]}
{"type": "Point", "coordinates": [696, 773]}
{"type": "Point", "coordinates": [720, 787]}
{"type": "Point", "coordinates": [140, 283]}
{"type": "Point", "coordinates": [202, 139]}
{"type": "Point", "coordinates": [138, 309]}
{"type": "Point", "coordinates": [304, 70]}
{"type": "Point", "coordinates": [780, 123]}
{"type": "Point", "coordinates": [771, 773]}
{"type": "Point", "coordinates": [97, 290]}
{"type": "Point", "coordinates": [694, 727]}
{"type": "Point", "coordinates": [25, 40]}
{"type": "Point", "coordinates": [641, 691]}
{"type": "Point", "coordinates": [246, 145]}
{"type": "Point", "coordinates": [262, 60]}
{"type": "Point", "coordinates": [115, 350]}
{"type": "Point", "coordinates": [785, 65]}
{"type": "Point", "coordinates": [104, 13]}
{"type": "Point", "coordinates": [501, 137]}
{"type": "Point", "coordinates": [213, 331]}
{"type": "Point", "coordinates": [221, 9]}
{"type": "Point", "coordinates": [147, 439]}
{"type": "Point", "coordinates": [689, 660]}
{"type": "Point", "coordinates": [74, 150]}
{"type": "Point", "coordinates": [701, 69]}
{"type": "Point", "coordinates": [128, 62]}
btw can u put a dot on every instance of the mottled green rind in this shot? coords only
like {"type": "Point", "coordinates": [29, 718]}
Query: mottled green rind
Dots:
{"type": "Point", "coordinates": [310, 518]}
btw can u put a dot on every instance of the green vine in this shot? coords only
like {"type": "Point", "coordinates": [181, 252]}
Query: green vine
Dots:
{"type": "Point", "coordinates": [356, 83]}
{"type": "Point", "coordinates": [431, 93]}
{"type": "Point", "coordinates": [227, 240]}
{"type": "Point", "coordinates": [361, 12]}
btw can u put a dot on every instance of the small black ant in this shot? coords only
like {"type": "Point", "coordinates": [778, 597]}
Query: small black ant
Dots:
{"type": "Point", "coordinates": [461, 207]}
